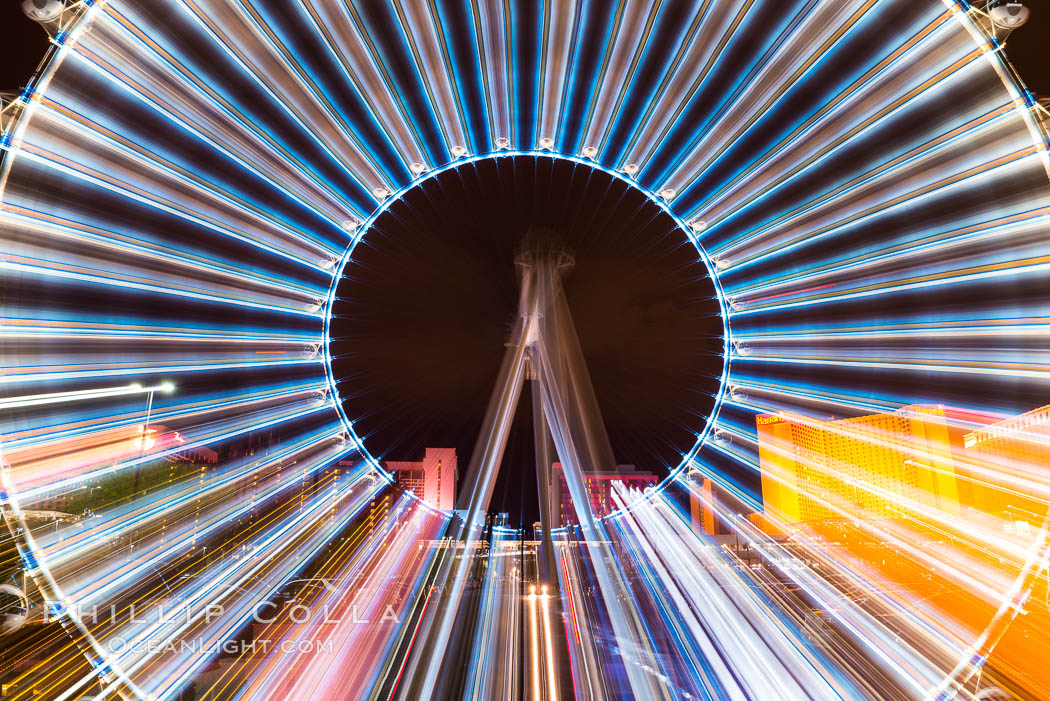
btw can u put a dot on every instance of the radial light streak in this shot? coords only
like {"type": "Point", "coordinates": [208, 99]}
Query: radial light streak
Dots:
{"type": "Point", "coordinates": [816, 25]}
{"type": "Point", "coordinates": [98, 584]}
{"type": "Point", "coordinates": [787, 668]}
{"type": "Point", "coordinates": [68, 330]}
{"type": "Point", "coordinates": [202, 218]}
{"type": "Point", "coordinates": [493, 42]}
{"type": "Point", "coordinates": [632, 35]}
{"type": "Point", "coordinates": [493, 671]}
{"type": "Point", "coordinates": [421, 32]}
{"type": "Point", "coordinates": [910, 667]}
{"type": "Point", "coordinates": [312, 528]}
{"type": "Point", "coordinates": [264, 61]}
{"type": "Point", "coordinates": [86, 142]}
{"type": "Point", "coordinates": [891, 81]}
{"type": "Point", "coordinates": [170, 88]}
{"type": "Point", "coordinates": [912, 536]}
{"type": "Point", "coordinates": [169, 503]}
{"type": "Point", "coordinates": [363, 610]}
{"type": "Point", "coordinates": [695, 60]}
{"type": "Point", "coordinates": [205, 410]}
{"type": "Point", "coordinates": [346, 41]}
{"type": "Point", "coordinates": [961, 568]}
{"type": "Point", "coordinates": [35, 479]}
{"type": "Point", "coordinates": [48, 225]}
{"type": "Point", "coordinates": [558, 40]}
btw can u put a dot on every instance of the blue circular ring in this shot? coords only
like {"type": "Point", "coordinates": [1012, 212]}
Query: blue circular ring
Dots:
{"type": "Point", "coordinates": [712, 272]}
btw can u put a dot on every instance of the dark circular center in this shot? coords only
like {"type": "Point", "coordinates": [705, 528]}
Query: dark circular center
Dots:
{"type": "Point", "coordinates": [425, 305]}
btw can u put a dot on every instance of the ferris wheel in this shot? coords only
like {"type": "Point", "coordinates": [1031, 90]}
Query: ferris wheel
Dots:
{"type": "Point", "coordinates": [865, 185]}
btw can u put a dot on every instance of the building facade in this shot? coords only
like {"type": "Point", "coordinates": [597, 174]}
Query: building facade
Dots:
{"type": "Point", "coordinates": [893, 465]}
{"type": "Point", "coordinates": [432, 479]}
{"type": "Point", "coordinates": [702, 513]}
{"type": "Point", "coordinates": [599, 490]}
{"type": "Point", "coordinates": [1018, 449]}
{"type": "Point", "coordinates": [876, 466]}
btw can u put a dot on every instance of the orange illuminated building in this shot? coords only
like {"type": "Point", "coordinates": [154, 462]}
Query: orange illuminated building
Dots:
{"type": "Point", "coordinates": [878, 465]}
{"type": "Point", "coordinates": [702, 513]}
{"type": "Point", "coordinates": [881, 465]}
{"type": "Point", "coordinates": [1018, 446]}
{"type": "Point", "coordinates": [904, 492]}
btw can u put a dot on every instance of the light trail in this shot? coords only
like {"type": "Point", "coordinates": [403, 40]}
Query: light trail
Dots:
{"type": "Point", "coordinates": [47, 224]}
{"type": "Point", "coordinates": [251, 147]}
{"type": "Point", "coordinates": [421, 31]}
{"type": "Point", "coordinates": [534, 648]}
{"type": "Point", "coordinates": [346, 41]}
{"type": "Point", "coordinates": [550, 678]}
{"type": "Point", "coordinates": [75, 395]}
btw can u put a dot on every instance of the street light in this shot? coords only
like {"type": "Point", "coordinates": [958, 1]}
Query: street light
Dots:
{"type": "Point", "coordinates": [167, 388]}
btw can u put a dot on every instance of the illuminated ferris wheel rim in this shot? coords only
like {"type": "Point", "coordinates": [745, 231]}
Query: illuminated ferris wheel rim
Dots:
{"type": "Point", "coordinates": [361, 230]}
{"type": "Point", "coordinates": [1021, 105]}
{"type": "Point", "coordinates": [990, 47]}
